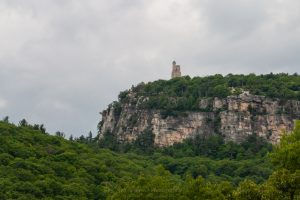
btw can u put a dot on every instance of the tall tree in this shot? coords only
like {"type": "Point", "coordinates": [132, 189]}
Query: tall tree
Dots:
{"type": "Point", "coordinates": [23, 122]}
{"type": "Point", "coordinates": [6, 119]}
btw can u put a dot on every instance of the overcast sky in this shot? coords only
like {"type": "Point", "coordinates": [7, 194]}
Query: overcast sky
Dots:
{"type": "Point", "coordinates": [64, 61]}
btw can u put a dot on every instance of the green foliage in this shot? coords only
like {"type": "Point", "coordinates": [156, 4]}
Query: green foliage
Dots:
{"type": "Point", "coordinates": [133, 119]}
{"type": "Point", "coordinates": [162, 185]}
{"type": "Point", "coordinates": [35, 165]}
{"type": "Point", "coordinates": [247, 190]}
{"type": "Point", "coordinates": [286, 154]}
{"type": "Point", "coordinates": [23, 122]}
{"type": "Point", "coordinates": [123, 96]}
{"type": "Point", "coordinates": [109, 140]}
{"type": "Point", "coordinates": [213, 146]}
{"type": "Point", "coordinates": [182, 94]}
{"type": "Point", "coordinates": [145, 141]}
{"type": "Point", "coordinates": [117, 108]}
{"type": "Point", "coordinates": [286, 180]}
{"type": "Point", "coordinates": [6, 119]}
{"type": "Point", "coordinates": [60, 134]}
{"type": "Point", "coordinates": [159, 185]}
{"type": "Point", "coordinates": [286, 183]}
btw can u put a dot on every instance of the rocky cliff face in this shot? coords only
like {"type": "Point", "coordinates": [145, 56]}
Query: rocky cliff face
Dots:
{"type": "Point", "coordinates": [235, 117]}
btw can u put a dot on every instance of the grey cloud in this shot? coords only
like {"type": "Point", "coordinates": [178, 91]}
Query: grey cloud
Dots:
{"type": "Point", "coordinates": [234, 19]}
{"type": "Point", "coordinates": [63, 61]}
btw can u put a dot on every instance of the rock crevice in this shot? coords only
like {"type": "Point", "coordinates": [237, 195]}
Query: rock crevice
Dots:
{"type": "Point", "coordinates": [234, 117]}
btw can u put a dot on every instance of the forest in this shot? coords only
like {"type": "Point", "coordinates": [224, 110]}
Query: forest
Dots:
{"type": "Point", "coordinates": [37, 165]}
{"type": "Point", "coordinates": [184, 93]}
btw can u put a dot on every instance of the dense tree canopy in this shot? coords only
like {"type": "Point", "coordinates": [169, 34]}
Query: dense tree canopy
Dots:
{"type": "Point", "coordinates": [183, 93]}
{"type": "Point", "coordinates": [36, 165]}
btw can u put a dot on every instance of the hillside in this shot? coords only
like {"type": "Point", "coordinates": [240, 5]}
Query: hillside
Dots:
{"type": "Point", "coordinates": [36, 165]}
{"type": "Point", "coordinates": [233, 106]}
{"type": "Point", "coordinates": [225, 153]}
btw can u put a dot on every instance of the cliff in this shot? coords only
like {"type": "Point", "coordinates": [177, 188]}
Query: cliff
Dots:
{"type": "Point", "coordinates": [234, 117]}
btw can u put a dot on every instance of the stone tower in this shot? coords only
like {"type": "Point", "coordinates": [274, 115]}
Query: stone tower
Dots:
{"type": "Point", "coordinates": [176, 70]}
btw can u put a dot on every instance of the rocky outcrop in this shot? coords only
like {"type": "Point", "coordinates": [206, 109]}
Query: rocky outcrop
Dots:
{"type": "Point", "coordinates": [235, 117]}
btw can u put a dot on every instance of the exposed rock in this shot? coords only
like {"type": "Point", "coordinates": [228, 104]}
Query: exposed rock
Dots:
{"type": "Point", "coordinates": [235, 117]}
{"type": "Point", "coordinates": [218, 103]}
{"type": "Point", "coordinates": [204, 103]}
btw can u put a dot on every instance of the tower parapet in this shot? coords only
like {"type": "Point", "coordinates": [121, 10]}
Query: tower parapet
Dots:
{"type": "Point", "coordinates": [176, 70]}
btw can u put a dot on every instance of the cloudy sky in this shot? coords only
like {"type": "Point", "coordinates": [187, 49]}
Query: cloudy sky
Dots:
{"type": "Point", "coordinates": [63, 61]}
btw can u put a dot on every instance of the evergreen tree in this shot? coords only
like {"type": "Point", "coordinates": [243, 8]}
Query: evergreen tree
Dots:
{"type": "Point", "coordinates": [23, 122]}
{"type": "Point", "coordinates": [42, 128]}
{"type": "Point", "coordinates": [145, 141]}
{"type": "Point", "coordinates": [60, 134]}
{"type": "Point", "coordinates": [90, 137]}
{"type": "Point", "coordinates": [71, 137]}
{"type": "Point", "coordinates": [6, 119]}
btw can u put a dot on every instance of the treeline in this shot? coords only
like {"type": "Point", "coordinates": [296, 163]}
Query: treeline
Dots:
{"type": "Point", "coordinates": [282, 184]}
{"type": "Point", "coordinates": [36, 165]}
{"type": "Point", "coordinates": [206, 156]}
{"type": "Point", "coordinates": [40, 127]}
{"type": "Point", "coordinates": [181, 94]}
{"type": "Point", "coordinates": [212, 146]}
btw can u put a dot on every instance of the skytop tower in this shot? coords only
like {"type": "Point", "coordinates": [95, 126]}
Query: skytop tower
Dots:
{"type": "Point", "coordinates": [176, 70]}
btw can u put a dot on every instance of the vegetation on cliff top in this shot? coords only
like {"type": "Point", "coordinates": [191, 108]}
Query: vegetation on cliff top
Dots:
{"type": "Point", "coordinates": [184, 93]}
{"type": "Point", "coordinates": [36, 165]}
